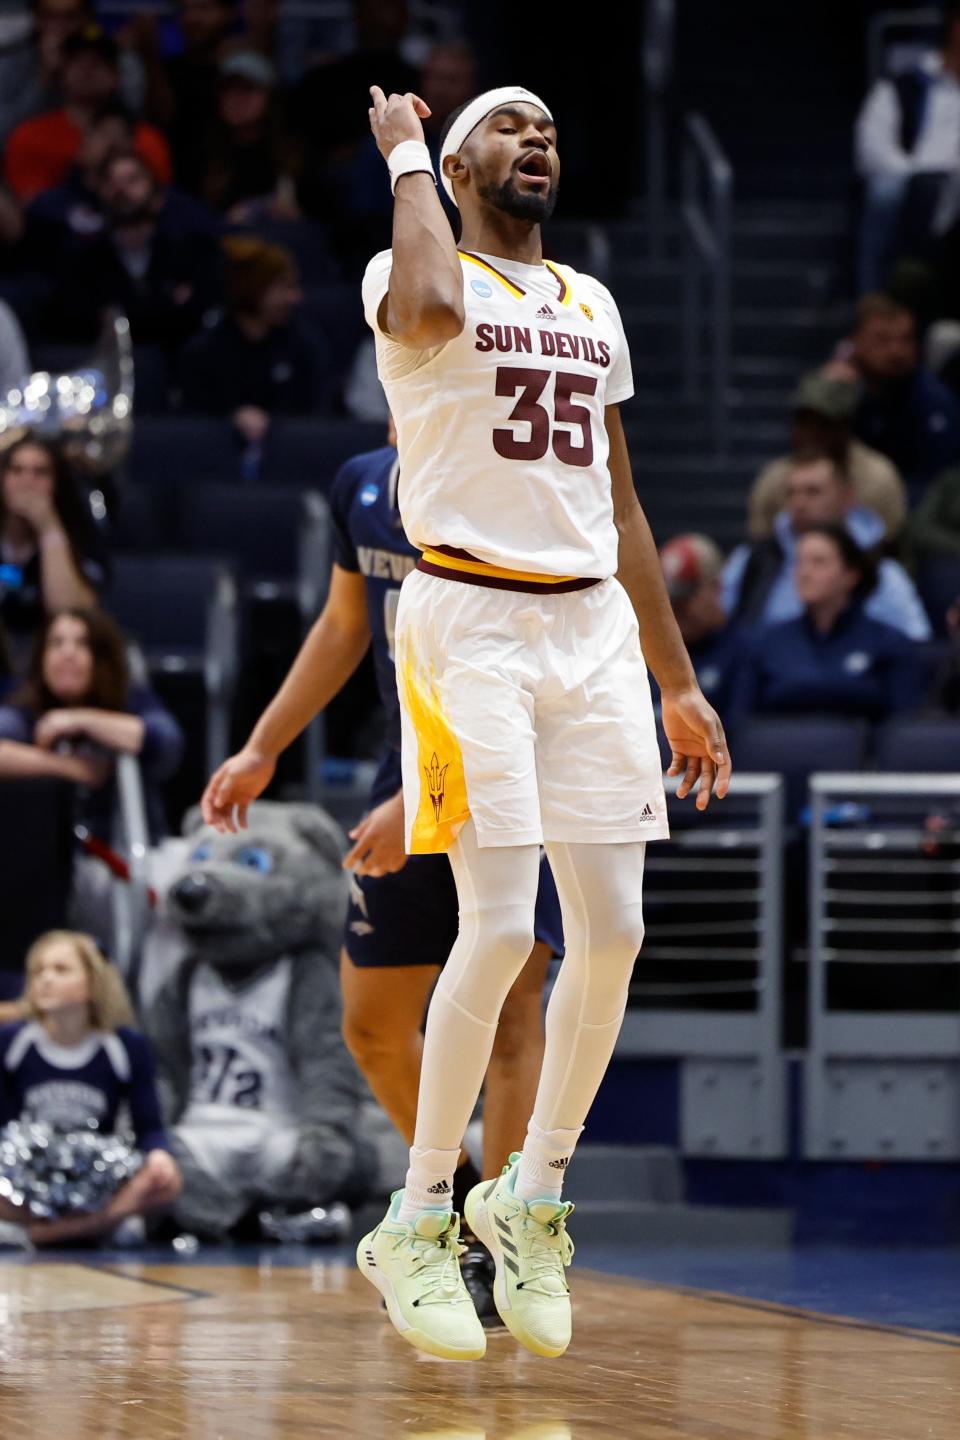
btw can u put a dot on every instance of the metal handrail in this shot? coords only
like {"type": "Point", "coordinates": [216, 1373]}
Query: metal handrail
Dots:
{"type": "Point", "coordinates": [915, 23]}
{"type": "Point", "coordinates": [706, 211]}
{"type": "Point", "coordinates": [131, 901]}
{"type": "Point", "coordinates": [657, 68]}
{"type": "Point", "coordinates": [890, 1053]}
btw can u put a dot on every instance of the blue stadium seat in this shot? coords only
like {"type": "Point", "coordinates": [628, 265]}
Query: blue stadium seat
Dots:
{"type": "Point", "coordinates": [142, 519]}
{"type": "Point", "coordinates": [182, 611]}
{"type": "Point", "coordinates": [260, 527]}
{"type": "Point", "coordinates": [171, 449]}
{"type": "Point", "coordinates": [797, 747]}
{"type": "Point", "coordinates": [308, 453]}
{"type": "Point", "coordinates": [919, 746]}
{"type": "Point", "coordinates": [939, 585]}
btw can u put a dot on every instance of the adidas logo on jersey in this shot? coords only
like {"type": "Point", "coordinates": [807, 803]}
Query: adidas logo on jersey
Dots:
{"type": "Point", "coordinates": [442, 1187]}
{"type": "Point", "coordinates": [647, 815]}
{"type": "Point", "coordinates": [545, 313]}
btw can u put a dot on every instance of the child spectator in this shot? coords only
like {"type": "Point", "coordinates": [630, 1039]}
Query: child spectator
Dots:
{"type": "Point", "coordinates": [78, 695]}
{"type": "Point", "coordinates": [40, 151]}
{"type": "Point", "coordinates": [256, 362]}
{"type": "Point", "coordinates": [759, 582]}
{"type": "Point", "coordinates": [833, 659]}
{"type": "Point", "coordinates": [50, 553]}
{"type": "Point", "coordinates": [70, 1065]}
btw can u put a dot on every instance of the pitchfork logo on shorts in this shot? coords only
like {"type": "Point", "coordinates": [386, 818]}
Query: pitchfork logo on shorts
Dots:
{"type": "Point", "coordinates": [436, 779]}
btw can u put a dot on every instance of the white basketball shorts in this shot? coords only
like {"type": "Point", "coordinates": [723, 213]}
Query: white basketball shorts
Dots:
{"type": "Point", "coordinates": [529, 712]}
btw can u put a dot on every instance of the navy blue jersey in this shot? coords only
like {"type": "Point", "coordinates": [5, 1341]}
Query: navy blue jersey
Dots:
{"type": "Point", "coordinates": [369, 539]}
{"type": "Point", "coordinates": [70, 1086]}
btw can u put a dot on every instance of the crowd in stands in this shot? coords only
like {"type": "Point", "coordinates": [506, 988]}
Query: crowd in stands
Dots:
{"type": "Point", "coordinates": [225, 198]}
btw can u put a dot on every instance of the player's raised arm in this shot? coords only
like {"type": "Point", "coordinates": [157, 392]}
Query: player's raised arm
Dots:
{"type": "Point", "coordinates": [692, 727]}
{"type": "Point", "coordinates": [424, 304]}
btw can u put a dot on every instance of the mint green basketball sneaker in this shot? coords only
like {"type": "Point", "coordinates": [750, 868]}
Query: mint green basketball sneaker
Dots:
{"type": "Point", "coordinates": [531, 1249]}
{"type": "Point", "coordinates": [416, 1268]}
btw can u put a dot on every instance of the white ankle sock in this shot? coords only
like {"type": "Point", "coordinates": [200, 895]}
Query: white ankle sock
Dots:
{"type": "Point", "coordinates": [429, 1183]}
{"type": "Point", "coordinates": [543, 1162]}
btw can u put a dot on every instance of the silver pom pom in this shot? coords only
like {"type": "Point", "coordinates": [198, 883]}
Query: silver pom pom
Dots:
{"type": "Point", "coordinates": [50, 1173]}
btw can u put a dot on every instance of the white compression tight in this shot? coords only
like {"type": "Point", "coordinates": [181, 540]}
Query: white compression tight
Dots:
{"type": "Point", "coordinates": [600, 899]}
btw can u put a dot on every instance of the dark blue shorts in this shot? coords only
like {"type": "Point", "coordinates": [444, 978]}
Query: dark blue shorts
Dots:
{"type": "Point", "coordinates": [411, 918]}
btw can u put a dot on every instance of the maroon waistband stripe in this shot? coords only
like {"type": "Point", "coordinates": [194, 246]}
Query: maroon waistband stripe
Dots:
{"type": "Point", "coordinates": [496, 582]}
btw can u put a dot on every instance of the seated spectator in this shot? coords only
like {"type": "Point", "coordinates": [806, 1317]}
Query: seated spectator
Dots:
{"type": "Point", "coordinates": [692, 566]}
{"type": "Point", "coordinates": [905, 412]}
{"type": "Point", "coordinates": [822, 414]}
{"type": "Point", "coordinates": [70, 1065]}
{"type": "Point", "coordinates": [256, 361]}
{"type": "Point", "coordinates": [77, 700]}
{"type": "Point", "coordinates": [833, 659]}
{"type": "Point", "coordinates": [14, 360]}
{"type": "Point", "coordinates": [71, 211]}
{"type": "Point", "coordinates": [157, 258]}
{"type": "Point", "coordinates": [62, 221]}
{"type": "Point", "coordinates": [41, 151]}
{"type": "Point", "coordinates": [908, 131]}
{"type": "Point", "coordinates": [934, 529]}
{"type": "Point", "coordinates": [758, 579]}
{"type": "Point", "coordinates": [247, 157]}
{"type": "Point", "coordinates": [51, 557]}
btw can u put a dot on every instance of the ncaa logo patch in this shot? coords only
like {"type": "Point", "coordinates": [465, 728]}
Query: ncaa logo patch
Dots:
{"type": "Point", "coordinates": [481, 288]}
{"type": "Point", "coordinates": [369, 494]}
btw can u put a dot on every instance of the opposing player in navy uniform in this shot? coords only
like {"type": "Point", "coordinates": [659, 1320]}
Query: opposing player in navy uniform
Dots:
{"type": "Point", "coordinates": [402, 919]}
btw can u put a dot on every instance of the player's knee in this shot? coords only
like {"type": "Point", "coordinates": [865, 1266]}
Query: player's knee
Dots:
{"type": "Point", "coordinates": [511, 929]}
{"type": "Point", "coordinates": [370, 1037]}
{"type": "Point", "coordinates": [619, 938]}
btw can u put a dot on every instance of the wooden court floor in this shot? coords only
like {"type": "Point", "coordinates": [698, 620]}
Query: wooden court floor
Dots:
{"type": "Point", "coordinates": [89, 1352]}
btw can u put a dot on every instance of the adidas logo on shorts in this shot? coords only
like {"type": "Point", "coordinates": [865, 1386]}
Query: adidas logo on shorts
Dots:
{"type": "Point", "coordinates": [441, 1188]}
{"type": "Point", "coordinates": [545, 313]}
{"type": "Point", "coordinates": [646, 815]}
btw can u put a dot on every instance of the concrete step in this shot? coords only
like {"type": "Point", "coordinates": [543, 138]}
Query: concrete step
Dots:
{"type": "Point", "coordinates": [628, 1174]}
{"type": "Point", "coordinates": [610, 1222]}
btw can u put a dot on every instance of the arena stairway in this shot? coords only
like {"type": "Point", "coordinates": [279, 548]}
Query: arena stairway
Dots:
{"type": "Point", "coordinates": [780, 88]}
{"type": "Point", "coordinates": [789, 309]}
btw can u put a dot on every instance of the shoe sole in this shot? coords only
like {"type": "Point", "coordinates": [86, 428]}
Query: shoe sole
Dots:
{"type": "Point", "coordinates": [419, 1339]}
{"type": "Point", "coordinates": [475, 1209]}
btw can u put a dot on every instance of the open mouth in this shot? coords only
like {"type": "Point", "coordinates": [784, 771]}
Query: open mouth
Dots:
{"type": "Point", "coordinates": [535, 168]}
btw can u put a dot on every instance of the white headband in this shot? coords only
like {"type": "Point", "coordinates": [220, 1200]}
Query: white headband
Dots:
{"type": "Point", "coordinates": [478, 110]}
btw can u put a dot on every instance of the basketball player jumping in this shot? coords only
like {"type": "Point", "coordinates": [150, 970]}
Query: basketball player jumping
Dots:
{"type": "Point", "coordinates": [525, 703]}
{"type": "Point", "coordinates": [402, 917]}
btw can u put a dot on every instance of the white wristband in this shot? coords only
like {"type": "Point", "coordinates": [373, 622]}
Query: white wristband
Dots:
{"type": "Point", "coordinates": [409, 158]}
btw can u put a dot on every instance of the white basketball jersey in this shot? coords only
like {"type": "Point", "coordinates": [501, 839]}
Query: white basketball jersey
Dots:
{"type": "Point", "coordinates": [503, 447]}
{"type": "Point", "coordinates": [238, 1044]}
